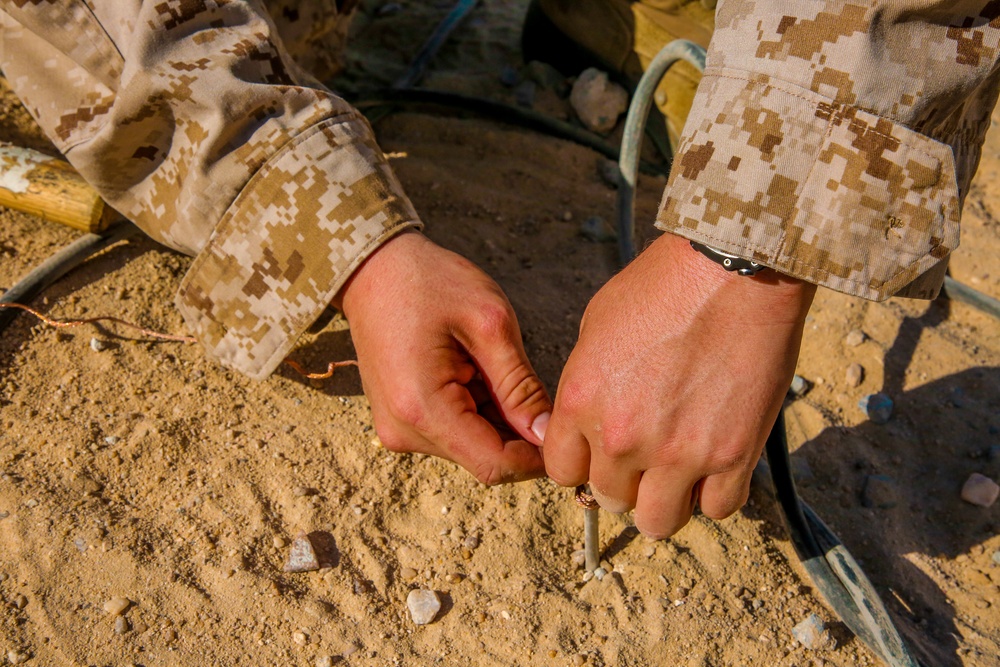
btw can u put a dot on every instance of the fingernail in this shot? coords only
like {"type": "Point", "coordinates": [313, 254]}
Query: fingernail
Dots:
{"type": "Point", "coordinates": [540, 424]}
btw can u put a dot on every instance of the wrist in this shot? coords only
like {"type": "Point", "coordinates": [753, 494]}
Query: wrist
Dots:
{"type": "Point", "coordinates": [770, 293]}
{"type": "Point", "coordinates": [385, 265]}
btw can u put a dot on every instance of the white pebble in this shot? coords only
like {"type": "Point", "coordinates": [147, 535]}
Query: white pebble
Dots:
{"type": "Point", "coordinates": [980, 490]}
{"type": "Point", "coordinates": [598, 102]}
{"type": "Point", "coordinates": [116, 606]}
{"type": "Point", "coordinates": [423, 605]}
{"type": "Point", "coordinates": [98, 345]}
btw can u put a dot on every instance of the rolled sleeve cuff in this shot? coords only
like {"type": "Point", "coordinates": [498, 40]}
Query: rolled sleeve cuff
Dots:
{"type": "Point", "coordinates": [288, 243]}
{"type": "Point", "coordinates": [824, 192]}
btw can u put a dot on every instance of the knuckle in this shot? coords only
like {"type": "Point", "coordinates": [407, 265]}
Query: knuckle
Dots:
{"type": "Point", "coordinates": [409, 408]}
{"type": "Point", "coordinates": [729, 458]}
{"type": "Point", "coordinates": [617, 440]}
{"type": "Point", "coordinates": [574, 398]}
{"type": "Point", "coordinates": [493, 321]}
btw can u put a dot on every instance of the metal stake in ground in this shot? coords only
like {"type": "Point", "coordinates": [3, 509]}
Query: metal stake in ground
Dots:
{"type": "Point", "coordinates": [591, 531]}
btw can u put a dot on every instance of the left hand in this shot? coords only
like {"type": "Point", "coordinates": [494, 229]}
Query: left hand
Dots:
{"type": "Point", "coordinates": [677, 377]}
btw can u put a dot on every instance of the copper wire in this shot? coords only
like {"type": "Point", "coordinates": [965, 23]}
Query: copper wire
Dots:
{"type": "Point", "coordinates": [65, 324]}
{"type": "Point", "coordinates": [584, 499]}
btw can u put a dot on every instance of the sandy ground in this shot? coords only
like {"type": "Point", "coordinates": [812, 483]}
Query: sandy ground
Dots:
{"type": "Point", "coordinates": [145, 472]}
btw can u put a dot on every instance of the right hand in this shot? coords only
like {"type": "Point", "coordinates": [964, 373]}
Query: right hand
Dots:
{"type": "Point", "coordinates": [442, 361]}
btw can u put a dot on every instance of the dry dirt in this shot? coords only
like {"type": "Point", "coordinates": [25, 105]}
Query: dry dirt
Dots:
{"type": "Point", "coordinates": [146, 472]}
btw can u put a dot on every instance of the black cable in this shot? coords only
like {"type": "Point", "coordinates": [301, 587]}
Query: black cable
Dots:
{"type": "Point", "coordinates": [58, 265]}
{"type": "Point", "coordinates": [505, 113]}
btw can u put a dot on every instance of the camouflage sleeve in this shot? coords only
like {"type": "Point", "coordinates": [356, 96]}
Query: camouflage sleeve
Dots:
{"type": "Point", "coordinates": [191, 119]}
{"type": "Point", "coordinates": [835, 141]}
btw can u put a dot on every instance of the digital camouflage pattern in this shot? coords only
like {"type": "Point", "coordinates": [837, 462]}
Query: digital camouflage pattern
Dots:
{"type": "Point", "coordinates": [191, 118]}
{"type": "Point", "coordinates": [835, 141]}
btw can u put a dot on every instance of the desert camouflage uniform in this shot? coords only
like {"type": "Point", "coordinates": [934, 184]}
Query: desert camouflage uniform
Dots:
{"type": "Point", "coordinates": [833, 141]}
{"type": "Point", "coordinates": [191, 119]}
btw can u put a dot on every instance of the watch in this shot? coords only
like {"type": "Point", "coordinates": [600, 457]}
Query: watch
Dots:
{"type": "Point", "coordinates": [744, 267]}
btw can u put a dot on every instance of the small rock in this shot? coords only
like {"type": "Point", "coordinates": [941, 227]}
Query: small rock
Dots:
{"type": "Point", "coordinates": [121, 625]}
{"type": "Point", "coordinates": [169, 635]}
{"type": "Point", "coordinates": [408, 573]}
{"type": "Point", "coordinates": [87, 485]}
{"type": "Point", "coordinates": [302, 557]}
{"type": "Point", "coordinates": [854, 375]}
{"type": "Point", "coordinates": [279, 542]}
{"type": "Point", "coordinates": [980, 490]}
{"type": "Point", "coordinates": [303, 491]}
{"type": "Point", "coordinates": [327, 660]}
{"type": "Point", "coordinates": [855, 337]}
{"type": "Point", "coordinates": [878, 407]}
{"type": "Point", "coordinates": [15, 658]}
{"type": "Point", "coordinates": [112, 440]}
{"type": "Point", "coordinates": [598, 102]}
{"type": "Point", "coordinates": [471, 542]}
{"type": "Point", "coordinates": [799, 387]}
{"type": "Point", "coordinates": [579, 659]}
{"type": "Point", "coordinates": [300, 638]}
{"type": "Point", "coordinates": [318, 609]}
{"type": "Point", "coordinates": [567, 216]}
{"type": "Point", "coordinates": [20, 602]}
{"type": "Point", "coordinates": [996, 557]}
{"type": "Point", "coordinates": [453, 578]}
{"type": "Point", "coordinates": [98, 345]}
{"type": "Point", "coordinates": [423, 605]}
{"type": "Point", "coordinates": [596, 229]}
{"type": "Point", "coordinates": [579, 557]}
{"type": "Point", "coordinates": [599, 573]}
{"type": "Point", "coordinates": [117, 606]}
{"type": "Point", "coordinates": [879, 492]}
{"type": "Point", "coordinates": [812, 633]}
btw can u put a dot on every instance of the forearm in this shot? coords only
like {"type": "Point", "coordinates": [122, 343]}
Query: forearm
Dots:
{"type": "Point", "coordinates": [198, 126]}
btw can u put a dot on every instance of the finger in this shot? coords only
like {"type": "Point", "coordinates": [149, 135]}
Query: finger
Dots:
{"type": "Point", "coordinates": [723, 494]}
{"type": "Point", "coordinates": [665, 501]}
{"type": "Point", "coordinates": [567, 452]}
{"type": "Point", "coordinates": [466, 438]}
{"type": "Point", "coordinates": [495, 347]}
{"type": "Point", "coordinates": [614, 485]}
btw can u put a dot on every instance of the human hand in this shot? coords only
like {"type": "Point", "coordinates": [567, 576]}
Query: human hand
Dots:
{"type": "Point", "coordinates": [676, 379]}
{"type": "Point", "coordinates": [442, 361]}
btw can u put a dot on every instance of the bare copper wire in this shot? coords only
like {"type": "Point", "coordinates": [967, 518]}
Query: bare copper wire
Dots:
{"type": "Point", "coordinates": [65, 324]}
{"type": "Point", "coordinates": [330, 368]}
{"type": "Point", "coordinates": [584, 499]}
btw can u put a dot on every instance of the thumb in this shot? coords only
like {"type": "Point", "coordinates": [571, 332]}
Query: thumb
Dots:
{"type": "Point", "coordinates": [515, 388]}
